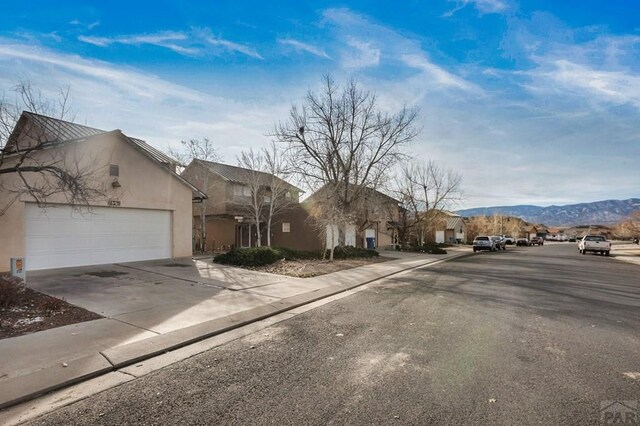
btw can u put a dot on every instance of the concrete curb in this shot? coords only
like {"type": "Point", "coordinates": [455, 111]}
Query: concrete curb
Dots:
{"type": "Point", "coordinates": [22, 388]}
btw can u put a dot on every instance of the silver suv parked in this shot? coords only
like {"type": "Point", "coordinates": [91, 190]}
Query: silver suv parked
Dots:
{"type": "Point", "coordinates": [483, 242]}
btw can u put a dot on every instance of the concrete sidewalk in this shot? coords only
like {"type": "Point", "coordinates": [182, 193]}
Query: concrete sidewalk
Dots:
{"type": "Point", "coordinates": [219, 299]}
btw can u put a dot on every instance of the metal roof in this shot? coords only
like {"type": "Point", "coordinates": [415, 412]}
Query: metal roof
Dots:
{"type": "Point", "coordinates": [154, 152]}
{"type": "Point", "coordinates": [454, 221]}
{"type": "Point", "coordinates": [240, 175]}
{"type": "Point", "coordinates": [49, 129]}
{"type": "Point", "coordinates": [56, 130]}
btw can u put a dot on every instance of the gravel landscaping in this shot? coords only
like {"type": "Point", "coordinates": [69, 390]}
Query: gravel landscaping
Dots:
{"type": "Point", "coordinates": [24, 311]}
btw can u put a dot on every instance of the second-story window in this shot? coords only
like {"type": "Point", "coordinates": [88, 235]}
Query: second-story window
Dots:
{"type": "Point", "coordinates": [241, 191]}
{"type": "Point", "coordinates": [114, 170]}
{"type": "Point", "coordinates": [267, 199]}
{"type": "Point", "coordinates": [287, 195]}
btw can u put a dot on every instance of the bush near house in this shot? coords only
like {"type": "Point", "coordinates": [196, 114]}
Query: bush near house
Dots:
{"type": "Point", "coordinates": [430, 248]}
{"type": "Point", "coordinates": [352, 253]}
{"type": "Point", "coordinates": [261, 256]}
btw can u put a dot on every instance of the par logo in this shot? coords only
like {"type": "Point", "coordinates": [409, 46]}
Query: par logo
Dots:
{"type": "Point", "coordinates": [619, 413]}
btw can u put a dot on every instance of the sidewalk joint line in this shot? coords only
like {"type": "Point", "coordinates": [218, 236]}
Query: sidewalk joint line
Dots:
{"type": "Point", "coordinates": [157, 273]}
{"type": "Point", "coordinates": [136, 326]}
{"type": "Point", "coordinates": [108, 360]}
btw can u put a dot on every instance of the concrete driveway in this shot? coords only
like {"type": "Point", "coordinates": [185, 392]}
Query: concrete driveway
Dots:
{"type": "Point", "coordinates": [162, 295]}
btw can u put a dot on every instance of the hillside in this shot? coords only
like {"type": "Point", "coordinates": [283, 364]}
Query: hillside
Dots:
{"type": "Point", "coordinates": [599, 212]}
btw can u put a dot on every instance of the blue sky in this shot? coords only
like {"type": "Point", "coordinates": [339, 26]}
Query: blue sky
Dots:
{"type": "Point", "coordinates": [532, 102]}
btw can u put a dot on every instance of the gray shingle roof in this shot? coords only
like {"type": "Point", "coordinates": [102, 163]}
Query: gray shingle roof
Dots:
{"type": "Point", "coordinates": [239, 174]}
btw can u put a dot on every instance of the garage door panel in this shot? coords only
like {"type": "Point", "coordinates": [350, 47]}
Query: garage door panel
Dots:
{"type": "Point", "coordinates": [61, 236]}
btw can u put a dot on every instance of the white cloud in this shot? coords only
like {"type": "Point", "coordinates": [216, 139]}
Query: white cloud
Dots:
{"type": "Point", "coordinates": [483, 6]}
{"type": "Point", "coordinates": [385, 46]}
{"type": "Point", "coordinates": [364, 54]}
{"type": "Point", "coordinates": [304, 47]}
{"type": "Point", "coordinates": [618, 87]}
{"type": "Point", "coordinates": [166, 39]}
{"type": "Point", "coordinates": [440, 76]}
{"type": "Point", "coordinates": [188, 44]}
{"type": "Point", "coordinates": [143, 85]}
{"type": "Point", "coordinates": [234, 47]}
{"type": "Point", "coordinates": [149, 107]}
{"type": "Point", "coordinates": [598, 71]}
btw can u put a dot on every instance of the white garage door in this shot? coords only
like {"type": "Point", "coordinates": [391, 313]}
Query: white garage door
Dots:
{"type": "Point", "coordinates": [58, 237]}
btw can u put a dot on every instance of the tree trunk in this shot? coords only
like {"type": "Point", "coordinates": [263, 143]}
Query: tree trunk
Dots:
{"type": "Point", "coordinates": [269, 230]}
{"type": "Point", "coordinates": [258, 236]}
{"type": "Point", "coordinates": [203, 228]}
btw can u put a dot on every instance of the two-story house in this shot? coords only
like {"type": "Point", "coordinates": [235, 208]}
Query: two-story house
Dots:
{"type": "Point", "coordinates": [373, 220]}
{"type": "Point", "coordinates": [228, 216]}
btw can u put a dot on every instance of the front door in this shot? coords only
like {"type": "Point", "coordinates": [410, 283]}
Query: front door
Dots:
{"type": "Point", "coordinates": [243, 235]}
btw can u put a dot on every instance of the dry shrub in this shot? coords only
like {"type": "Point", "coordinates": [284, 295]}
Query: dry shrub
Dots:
{"type": "Point", "coordinates": [11, 289]}
{"type": "Point", "coordinates": [52, 305]}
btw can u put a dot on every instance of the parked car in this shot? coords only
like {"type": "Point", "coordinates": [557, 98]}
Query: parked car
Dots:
{"type": "Point", "coordinates": [594, 244]}
{"type": "Point", "coordinates": [483, 242]}
{"type": "Point", "coordinates": [499, 242]}
{"type": "Point", "coordinates": [509, 240]}
{"type": "Point", "coordinates": [522, 242]}
{"type": "Point", "coordinates": [537, 241]}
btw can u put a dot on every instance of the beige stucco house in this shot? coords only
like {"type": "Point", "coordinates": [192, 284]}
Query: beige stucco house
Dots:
{"type": "Point", "coordinates": [373, 221]}
{"type": "Point", "coordinates": [450, 228]}
{"type": "Point", "coordinates": [227, 217]}
{"type": "Point", "coordinates": [142, 208]}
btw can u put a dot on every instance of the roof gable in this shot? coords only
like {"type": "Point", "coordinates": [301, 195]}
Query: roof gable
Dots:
{"type": "Point", "coordinates": [239, 175]}
{"type": "Point", "coordinates": [54, 131]}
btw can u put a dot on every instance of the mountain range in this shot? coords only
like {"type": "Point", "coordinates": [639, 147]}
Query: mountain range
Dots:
{"type": "Point", "coordinates": [606, 212]}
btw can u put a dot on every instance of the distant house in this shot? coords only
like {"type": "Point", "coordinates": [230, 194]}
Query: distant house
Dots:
{"type": "Point", "coordinates": [144, 210]}
{"type": "Point", "coordinates": [374, 220]}
{"type": "Point", "coordinates": [227, 222]}
{"type": "Point", "coordinates": [582, 230]}
{"type": "Point", "coordinates": [556, 234]}
{"type": "Point", "coordinates": [450, 228]}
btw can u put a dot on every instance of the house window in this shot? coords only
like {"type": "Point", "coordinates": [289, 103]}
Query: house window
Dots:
{"type": "Point", "coordinates": [114, 170]}
{"type": "Point", "coordinates": [241, 191]}
{"type": "Point", "coordinates": [267, 199]}
{"type": "Point", "coordinates": [286, 227]}
{"type": "Point", "coordinates": [287, 196]}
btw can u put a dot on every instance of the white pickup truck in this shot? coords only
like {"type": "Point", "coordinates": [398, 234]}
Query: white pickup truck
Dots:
{"type": "Point", "coordinates": [594, 244]}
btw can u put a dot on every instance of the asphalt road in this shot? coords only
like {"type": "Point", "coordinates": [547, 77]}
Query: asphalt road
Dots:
{"type": "Point", "coordinates": [533, 335]}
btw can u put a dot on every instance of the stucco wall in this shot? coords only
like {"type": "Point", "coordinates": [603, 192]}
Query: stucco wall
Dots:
{"type": "Point", "coordinates": [303, 234]}
{"type": "Point", "coordinates": [144, 185]}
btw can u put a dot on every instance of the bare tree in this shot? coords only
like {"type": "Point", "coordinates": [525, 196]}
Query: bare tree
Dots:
{"type": "Point", "coordinates": [340, 140]}
{"type": "Point", "coordinates": [258, 199]}
{"type": "Point", "coordinates": [270, 193]}
{"type": "Point", "coordinates": [281, 196]}
{"type": "Point", "coordinates": [27, 166]}
{"type": "Point", "coordinates": [198, 149]}
{"type": "Point", "coordinates": [425, 191]}
{"type": "Point", "coordinates": [195, 149]}
{"type": "Point", "coordinates": [630, 226]}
